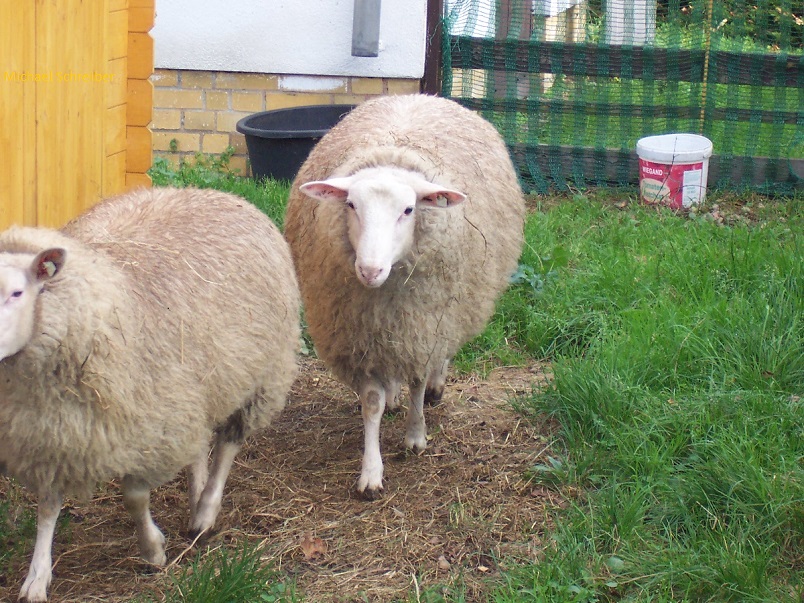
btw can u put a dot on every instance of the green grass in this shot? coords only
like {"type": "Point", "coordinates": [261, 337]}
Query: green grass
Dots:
{"type": "Point", "coordinates": [17, 531]}
{"type": "Point", "coordinates": [436, 594]}
{"type": "Point", "coordinates": [677, 348]}
{"type": "Point", "coordinates": [18, 527]}
{"type": "Point", "coordinates": [677, 352]}
{"type": "Point", "coordinates": [206, 171]}
{"type": "Point", "coordinates": [228, 576]}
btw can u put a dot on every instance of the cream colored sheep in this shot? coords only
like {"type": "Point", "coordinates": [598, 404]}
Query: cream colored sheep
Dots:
{"type": "Point", "coordinates": [405, 224]}
{"type": "Point", "coordinates": [158, 325]}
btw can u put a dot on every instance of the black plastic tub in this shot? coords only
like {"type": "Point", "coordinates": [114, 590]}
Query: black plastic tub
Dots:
{"type": "Point", "coordinates": [279, 141]}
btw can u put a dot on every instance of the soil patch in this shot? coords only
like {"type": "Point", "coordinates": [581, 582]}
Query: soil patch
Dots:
{"type": "Point", "coordinates": [453, 516]}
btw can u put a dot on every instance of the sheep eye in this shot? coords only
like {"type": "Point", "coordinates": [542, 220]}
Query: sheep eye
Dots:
{"type": "Point", "coordinates": [350, 205]}
{"type": "Point", "coordinates": [16, 294]}
{"type": "Point", "coordinates": [408, 211]}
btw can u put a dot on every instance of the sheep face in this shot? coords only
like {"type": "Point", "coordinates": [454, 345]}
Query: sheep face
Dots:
{"type": "Point", "coordinates": [21, 279]}
{"type": "Point", "coordinates": [381, 214]}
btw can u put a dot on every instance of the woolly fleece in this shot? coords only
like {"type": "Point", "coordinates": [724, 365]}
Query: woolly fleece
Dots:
{"type": "Point", "coordinates": [443, 293]}
{"type": "Point", "coordinates": [175, 310]}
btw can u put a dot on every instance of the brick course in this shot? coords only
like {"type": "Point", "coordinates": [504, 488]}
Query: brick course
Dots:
{"type": "Point", "coordinates": [197, 111]}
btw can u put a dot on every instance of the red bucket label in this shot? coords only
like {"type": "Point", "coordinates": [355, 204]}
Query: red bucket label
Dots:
{"type": "Point", "coordinates": [675, 185]}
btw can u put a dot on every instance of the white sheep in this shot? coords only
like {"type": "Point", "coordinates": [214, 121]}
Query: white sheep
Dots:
{"type": "Point", "coordinates": [157, 326]}
{"type": "Point", "coordinates": [405, 223]}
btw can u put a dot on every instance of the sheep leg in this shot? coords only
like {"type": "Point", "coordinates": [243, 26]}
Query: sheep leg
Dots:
{"type": "Point", "coordinates": [198, 474]}
{"type": "Point", "coordinates": [136, 499]}
{"type": "Point", "coordinates": [415, 427]}
{"type": "Point", "coordinates": [372, 403]}
{"type": "Point", "coordinates": [34, 589]}
{"type": "Point", "coordinates": [392, 397]}
{"type": "Point", "coordinates": [436, 382]}
{"type": "Point", "coordinates": [209, 503]}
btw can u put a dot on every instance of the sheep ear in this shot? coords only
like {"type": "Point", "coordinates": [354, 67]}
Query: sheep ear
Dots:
{"type": "Point", "coordinates": [334, 189]}
{"type": "Point", "coordinates": [433, 195]}
{"type": "Point", "coordinates": [47, 263]}
{"type": "Point", "coordinates": [443, 198]}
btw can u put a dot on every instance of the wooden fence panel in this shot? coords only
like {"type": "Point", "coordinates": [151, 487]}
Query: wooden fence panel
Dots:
{"type": "Point", "coordinates": [68, 106]}
{"type": "Point", "coordinates": [140, 92]}
{"type": "Point", "coordinates": [17, 118]}
{"type": "Point", "coordinates": [114, 168]}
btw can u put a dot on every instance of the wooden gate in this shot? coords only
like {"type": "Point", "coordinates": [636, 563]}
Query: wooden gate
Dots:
{"type": "Point", "coordinates": [75, 103]}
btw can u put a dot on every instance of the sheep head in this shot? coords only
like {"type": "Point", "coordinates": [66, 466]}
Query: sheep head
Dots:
{"type": "Point", "coordinates": [22, 277]}
{"type": "Point", "coordinates": [381, 208]}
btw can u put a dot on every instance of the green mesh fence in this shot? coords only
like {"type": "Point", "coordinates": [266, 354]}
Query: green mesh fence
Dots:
{"type": "Point", "coordinates": [574, 84]}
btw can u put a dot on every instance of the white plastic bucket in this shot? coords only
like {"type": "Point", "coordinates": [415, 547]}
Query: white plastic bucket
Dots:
{"type": "Point", "coordinates": [673, 169]}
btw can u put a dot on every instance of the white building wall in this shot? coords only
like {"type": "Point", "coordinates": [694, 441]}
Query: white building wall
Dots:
{"type": "Point", "coordinates": [306, 37]}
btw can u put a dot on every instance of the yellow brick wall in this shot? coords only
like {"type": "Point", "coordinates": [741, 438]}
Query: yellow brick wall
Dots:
{"type": "Point", "coordinates": [198, 110]}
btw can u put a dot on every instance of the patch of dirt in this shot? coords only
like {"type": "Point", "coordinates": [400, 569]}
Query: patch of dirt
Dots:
{"type": "Point", "coordinates": [455, 515]}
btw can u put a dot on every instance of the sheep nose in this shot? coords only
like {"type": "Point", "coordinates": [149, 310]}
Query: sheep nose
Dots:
{"type": "Point", "coordinates": [371, 275]}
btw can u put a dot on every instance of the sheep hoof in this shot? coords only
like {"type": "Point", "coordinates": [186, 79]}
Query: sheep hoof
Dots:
{"type": "Point", "coordinates": [418, 450]}
{"type": "Point", "coordinates": [414, 450]}
{"type": "Point", "coordinates": [147, 568]}
{"type": "Point", "coordinates": [407, 453]}
{"type": "Point", "coordinates": [152, 550]}
{"type": "Point", "coordinates": [156, 558]}
{"type": "Point", "coordinates": [433, 395]}
{"type": "Point", "coordinates": [33, 599]}
{"type": "Point", "coordinates": [201, 536]}
{"type": "Point", "coordinates": [416, 441]}
{"type": "Point", "coordinates": [370, 494]}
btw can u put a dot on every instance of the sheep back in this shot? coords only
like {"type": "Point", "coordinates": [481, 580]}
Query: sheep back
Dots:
{"type": "Point", "coordinates": [444, 292]}
{"type": "Point", "coordinates": [175, 310]}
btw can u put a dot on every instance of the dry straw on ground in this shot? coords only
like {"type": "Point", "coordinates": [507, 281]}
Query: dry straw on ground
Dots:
{"type": "Point", "coordinates": [453, 516]}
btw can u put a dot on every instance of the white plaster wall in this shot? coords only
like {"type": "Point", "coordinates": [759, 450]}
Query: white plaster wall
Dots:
{"type": "Point", "coordinates": [307, 37]}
